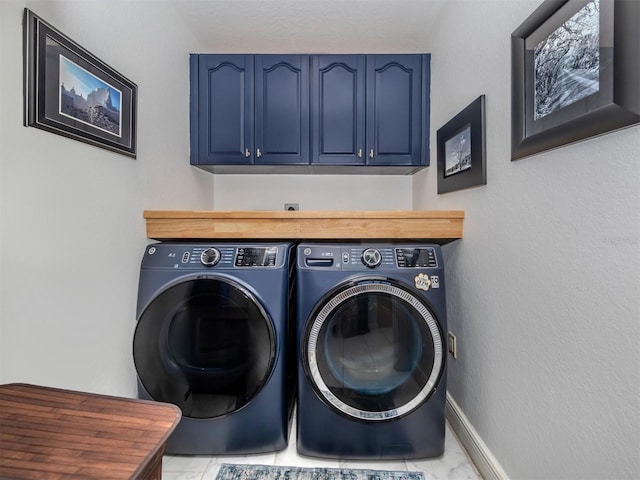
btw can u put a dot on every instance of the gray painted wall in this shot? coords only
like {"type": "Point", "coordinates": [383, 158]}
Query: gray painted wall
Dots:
{"type": "Point", "coordinates": [543, 290]}
{"type": "Point", "coordinates": [71, 227]}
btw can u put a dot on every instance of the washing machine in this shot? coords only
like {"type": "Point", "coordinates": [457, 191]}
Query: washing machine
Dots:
{"type": "Point", "coordinates": [213, 336]}
{"type": "Point", "coordinates": [371, 329]}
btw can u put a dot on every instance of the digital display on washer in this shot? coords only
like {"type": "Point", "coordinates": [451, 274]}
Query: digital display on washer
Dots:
{"type": "Point", "coordinates": [416, 257]}
{"type": "Point", "coordinates": [256, 257]}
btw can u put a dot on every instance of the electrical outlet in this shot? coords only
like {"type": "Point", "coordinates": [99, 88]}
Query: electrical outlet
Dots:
{"type": "Point", "coordinates": [453, 346]}
{"type": "Point", "coordinates": [291, 206]}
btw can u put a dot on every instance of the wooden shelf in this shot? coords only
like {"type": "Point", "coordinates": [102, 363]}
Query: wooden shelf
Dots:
{"type": "Point", "coordinates": [437, 226]}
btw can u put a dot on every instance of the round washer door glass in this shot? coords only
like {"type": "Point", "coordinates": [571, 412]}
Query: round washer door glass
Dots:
{"type": "Point", "coordinates": [205, 345]}
{"type": "Point", "coordinates": [373, 350]}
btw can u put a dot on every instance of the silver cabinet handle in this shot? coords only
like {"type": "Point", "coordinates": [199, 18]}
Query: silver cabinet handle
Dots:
{"type": "Point", "coordinates": [371, 153]}
{"type": "Point", "coordinates": [258, 153]}
{"type": "Point", "coordinates": [247, 153]}
{"type": "Point", "coordinates": [359, 153]}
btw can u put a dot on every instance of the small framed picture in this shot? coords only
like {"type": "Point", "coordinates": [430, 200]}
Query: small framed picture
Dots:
{"type": "Point", "coordinates": [70, 92]}
{"type": "Point", "coordinates": [574, 73]}
{"type": "Point", "coordinates": [461, 149]}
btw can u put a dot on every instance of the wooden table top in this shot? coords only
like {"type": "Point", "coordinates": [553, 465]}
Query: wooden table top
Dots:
{"type": "Point", "coordinates": [48, 433]}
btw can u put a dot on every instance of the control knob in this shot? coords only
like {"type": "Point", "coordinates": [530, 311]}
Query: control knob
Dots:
{"type": "Point", "coordinates": [210, 257]}
{"type": "Point", "coordinates": [371, 257]}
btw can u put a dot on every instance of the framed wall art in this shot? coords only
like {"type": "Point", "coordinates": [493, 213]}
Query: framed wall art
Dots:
{"type": "Point", "coordinates": [70, 92]}
{"type": "Point", "coordinates": [574, 73]}
{"type": "Point", "coordinates": [461, 149]}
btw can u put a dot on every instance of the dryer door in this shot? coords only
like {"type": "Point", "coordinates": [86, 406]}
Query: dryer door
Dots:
{"type": "Point", "coordinates": [206, 345]}
{"type": "Point", "coordinates": [373, 350]}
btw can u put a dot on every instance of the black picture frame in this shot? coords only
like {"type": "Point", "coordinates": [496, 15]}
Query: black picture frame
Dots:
{"type": "Point", "coordinates": [98, 108]}
{"type": "Point", "coordinates": [614, 99]}
{"type": "Point", "coordinates": [462, 149]}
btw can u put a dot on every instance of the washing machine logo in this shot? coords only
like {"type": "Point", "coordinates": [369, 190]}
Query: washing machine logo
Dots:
{"type": "Point", "coordinates": [422, 281]}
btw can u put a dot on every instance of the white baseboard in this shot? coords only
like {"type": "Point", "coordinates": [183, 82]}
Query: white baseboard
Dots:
{"type": "Point", "coordinates": [482, 458]}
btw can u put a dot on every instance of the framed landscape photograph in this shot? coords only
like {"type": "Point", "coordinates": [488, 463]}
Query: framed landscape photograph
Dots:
{"type": "Point", "coordinates": [70, 92]}
{"type": "Point", "coordinates": [461, 149]}
{"type": "Point", "coordinates": [574, 73]}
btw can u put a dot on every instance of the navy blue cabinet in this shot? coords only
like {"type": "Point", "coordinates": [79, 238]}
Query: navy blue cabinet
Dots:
{"type": "Point", "coordinates": [221, 109]}
{"type": "Point", "coordinates": [249, 109]}
{"type": "Point", "coordinates": [396, 100]}
{"type": "Point", "coordinates": [338, 110]}
{"type": "Point", "coordinates": [282, 109]}
{"type": "Point", "coordinates": [310, 113]}
{"type": "Point", "coordinates": [370, 110]}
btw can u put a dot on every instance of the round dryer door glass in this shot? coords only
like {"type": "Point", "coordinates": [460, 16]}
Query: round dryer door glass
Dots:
{"type": "Point", "coordinates": [205, 345]}
{"type": "Point", "coordinates": [373, 350]}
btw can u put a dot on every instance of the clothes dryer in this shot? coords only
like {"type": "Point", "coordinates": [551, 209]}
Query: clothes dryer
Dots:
{"type": "Point", "coordinates": [214, 325]}
{"type": "Point", "coordinates": [371, 329]}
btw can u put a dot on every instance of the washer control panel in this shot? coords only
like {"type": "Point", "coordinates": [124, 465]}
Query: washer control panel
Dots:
{"type": "Point", "coordinates": [368, 257]}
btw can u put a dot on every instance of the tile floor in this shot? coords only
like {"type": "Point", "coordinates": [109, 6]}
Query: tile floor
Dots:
{"type": "Point", "coordinates": [453, 465]}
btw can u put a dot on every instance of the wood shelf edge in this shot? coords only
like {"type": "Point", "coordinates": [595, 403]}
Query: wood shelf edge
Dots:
{"type": "Point", "coordinates": [439, 225]}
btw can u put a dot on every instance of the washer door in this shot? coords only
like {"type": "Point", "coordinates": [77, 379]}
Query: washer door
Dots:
{"type": "Point", "coordinates": [373, 350]}
{"type": "Point", "coordinates": [205, 345]}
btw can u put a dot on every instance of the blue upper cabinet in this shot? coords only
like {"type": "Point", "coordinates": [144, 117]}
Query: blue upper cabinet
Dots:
{"type": "Point", "coordinates": [310, 113]}
{"type": "Point", "coordinates": [249, 109]}
{"type": "Point", "coordinates": [338, 109]}
{"type": "Point", "coordinates": [395, 106]}
{"type": "Point", "coordinates": [370, 110]}
{"type": "Point", "coordinates": [222, 109]}
{"type": "Point", "coordinates": [282, 109]}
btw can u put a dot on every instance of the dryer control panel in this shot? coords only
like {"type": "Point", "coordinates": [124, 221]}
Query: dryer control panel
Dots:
{"type": "Point", "coordinates": [368, 257]}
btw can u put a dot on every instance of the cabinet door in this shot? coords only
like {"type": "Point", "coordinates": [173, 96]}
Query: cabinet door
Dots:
{"type": "Point", "coordinates": [338, 109]}
{"type": "Point", "coordinates": [282, 109]}
{"type": "Point", "coordinates": [394, 109]}
{"type": "Point", "coordinates": [222, 109]}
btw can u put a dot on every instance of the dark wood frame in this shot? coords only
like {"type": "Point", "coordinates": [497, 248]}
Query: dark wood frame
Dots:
{"type": "Point", "coordinates": [43, 47]}
{"type": "Point", "coordinates": [617, 103]}
{"type": "Point", "coordinates": [473, 116]}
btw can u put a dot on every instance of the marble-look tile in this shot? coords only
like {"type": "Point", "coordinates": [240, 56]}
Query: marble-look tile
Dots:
{"type": "Point", "coordinates": [181, 475]}
{"type": "Point", "coordinates": [444, 470]}
{"type": "Point", "coordinates": [454, 464]}
{"type": "Point", "coordinates": [211, 472]}
{"type": "Point", "coordinates": [185, 463]}
{"type": "Point", "coordinates": [258, 459]}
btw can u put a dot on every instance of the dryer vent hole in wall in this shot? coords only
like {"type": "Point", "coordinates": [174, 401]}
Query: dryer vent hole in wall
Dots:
{"type": "Point", "coordinates": [453, 346]}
